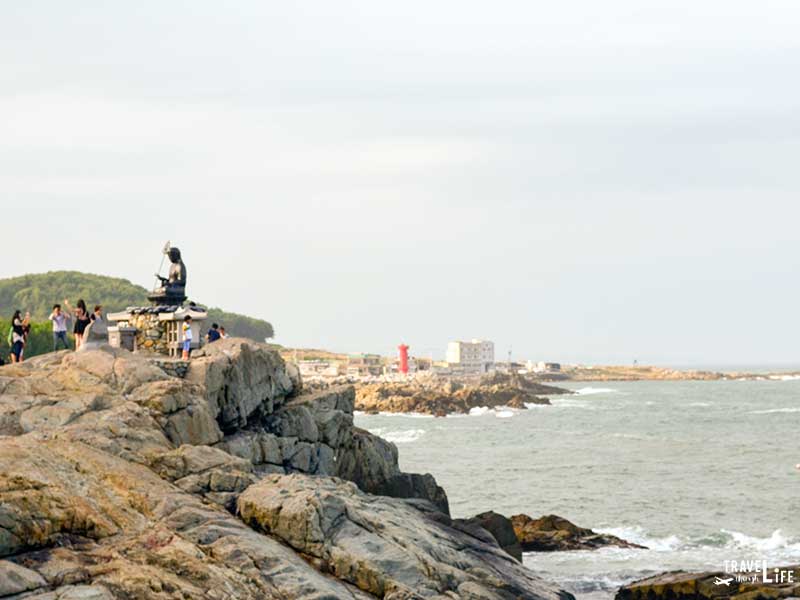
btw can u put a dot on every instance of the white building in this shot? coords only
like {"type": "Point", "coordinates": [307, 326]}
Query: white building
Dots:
{"type": "Point", "coordinates": [476, 356]}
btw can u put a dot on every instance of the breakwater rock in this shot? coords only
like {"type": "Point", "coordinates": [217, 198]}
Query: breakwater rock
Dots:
{"type": "Point", "coordinates": [442, 396]}
{"type": "Point", "coordinates": [118, 480]}
{"type": "Point", "coordinates": [553, 533]}
{"type": "Point", "coordinates": [780, 582]}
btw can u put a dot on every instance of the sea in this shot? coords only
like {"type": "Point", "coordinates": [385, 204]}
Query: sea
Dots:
{"type": "Point", "coordinates": [700, 472]}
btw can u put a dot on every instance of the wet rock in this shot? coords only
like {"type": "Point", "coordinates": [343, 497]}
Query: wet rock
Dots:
{"type": "Point", "coordinates": [551, 533]}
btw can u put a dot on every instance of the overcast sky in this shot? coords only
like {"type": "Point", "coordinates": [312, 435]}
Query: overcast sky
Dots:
{"type": "Point", "coordinates": [577, 181]}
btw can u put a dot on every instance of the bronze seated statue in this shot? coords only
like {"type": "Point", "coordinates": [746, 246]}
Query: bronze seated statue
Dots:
{"type": "Point", "coordinates": [173, 287]}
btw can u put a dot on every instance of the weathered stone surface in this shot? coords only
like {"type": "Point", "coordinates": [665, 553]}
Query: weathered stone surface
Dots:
{"type": "Point", "coordinates": [501, 529]}
{"type": "Point", "coordinates": [117, 481]}
{"type": "Point", "coordinates": [294, 420]}
{"type": "Point", "coordinates": [551, 532]}
{"type": "Point", "coordinates": [368, 461]}
{"type": "Point", "coordinates": [414, 485]}
{"type": "Point", "coordinates": [364, 540]}
{"type": "Point", "coordinates": [15, 579]}
{"type": "Point", "coordinates": [680, 585]}
{"type": "Point", "coordinates": [242, 380]}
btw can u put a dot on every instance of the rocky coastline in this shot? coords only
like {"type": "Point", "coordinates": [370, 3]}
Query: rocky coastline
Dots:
{"type": "Point", "coordinates": [118, 480]}
{"type": "Point", "coordinates": [781, 582]}
{"type": "Point", "coordinates": [441, 396]}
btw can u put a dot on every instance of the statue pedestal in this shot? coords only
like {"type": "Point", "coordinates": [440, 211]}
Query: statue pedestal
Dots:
{"type": "Point", "coordinates": [157, 329]}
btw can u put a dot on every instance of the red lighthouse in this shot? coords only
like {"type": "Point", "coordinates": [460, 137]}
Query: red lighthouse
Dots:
{"type": "Point", "coordinates": [403, 358]}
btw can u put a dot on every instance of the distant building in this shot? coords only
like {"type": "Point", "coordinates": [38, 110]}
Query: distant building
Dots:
{"type": "Point", "coordinates": [476, 356]}
{"type": "Point", "coordinates": [318, 368]}
{"type": "Point", "coordinates": [544, 367]}
{"type": "Point", "coordinates": [364, 364]}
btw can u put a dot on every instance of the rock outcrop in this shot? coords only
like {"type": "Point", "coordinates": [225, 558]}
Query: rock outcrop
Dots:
{"type": "Point", "coordinates": [366, 541]}
{"type": "Point", "coordinates": [551, 533]}
{"type": "Point", "coordinates": [120, 481]}
{"type": "Point", "coordinates": [680, 585]}
{"type": "Point", "coordinates": [501, 528]}
{"type": "Point", "coordinates": [442, 396]}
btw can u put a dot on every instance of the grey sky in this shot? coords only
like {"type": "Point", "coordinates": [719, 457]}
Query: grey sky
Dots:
{"type": "Point", "coordinates": [583, 181]}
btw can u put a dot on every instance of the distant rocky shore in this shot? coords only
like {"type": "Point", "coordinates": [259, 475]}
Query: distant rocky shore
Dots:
{"type": "Point", "coordinates": [646, 373]}
{"type": "Point", "coordinates": [442, 396]}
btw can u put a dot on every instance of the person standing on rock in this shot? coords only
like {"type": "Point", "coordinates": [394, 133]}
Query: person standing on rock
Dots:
{"type": "Point", "coordinates": [60, 320]}
{"type": "Point", "coordinates": [17, 338]}
{"type": "Point", "coordinates": [97, 315]}
{"type": "Point", "coordinates": [82, 321]}
{"type": "Point", "coordinates": [187, 337]}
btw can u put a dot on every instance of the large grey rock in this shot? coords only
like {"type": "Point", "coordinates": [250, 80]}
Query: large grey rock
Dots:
{"type": "Point", "coordinates": [501, 528]}
{"type": "Point", "coordinates": [15, 579]}
{"type": "Point", "coordinates": [294, 420]}
{"type": "Point", "coordinates": [383, 545]}
{"type": "Point", "coordinates": [243, 380]}
{"type": "Point", "coordinates": [368, 461]}
{"type": "Point", "coordinates": [414, 485]}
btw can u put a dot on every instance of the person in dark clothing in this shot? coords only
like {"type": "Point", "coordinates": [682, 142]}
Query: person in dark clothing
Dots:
{"type": "Point", "coordinates": [213, 334]}
{"type": "Point", "coordinates": [82, 320]}
{"type": "Point", "coordinates": [17, 335]}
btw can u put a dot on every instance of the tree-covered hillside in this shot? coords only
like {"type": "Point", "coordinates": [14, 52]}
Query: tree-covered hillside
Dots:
{"type": "Point", "coordinates": [38, 292]}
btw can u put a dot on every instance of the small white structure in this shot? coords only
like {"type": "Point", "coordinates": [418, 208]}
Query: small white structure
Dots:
{"type": "Point", "coordinates": [475, 356]}
{"type": "Point", "coordinates": [543, 367]}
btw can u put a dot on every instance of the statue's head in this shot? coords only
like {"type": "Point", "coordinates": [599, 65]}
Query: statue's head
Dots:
{"type": "Point", "coordinates": [174, 255]}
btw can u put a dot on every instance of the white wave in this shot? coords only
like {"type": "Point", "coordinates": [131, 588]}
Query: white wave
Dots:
{"type": "Point", "coordinates": [405, 436]}
{"type": "Point", "coordinates": [733, 540]}
{"type": "Point", "coordinates": [588, 391]}
{"type": "Point", "coordinates": [784, 377]}
{"type": "Point", "coordinates": [637, 535]}
{"type": "Point", "coordinates": [770, 411]}
{"type": "Point", "coordinates": [699, 404]}
{"type": "Point", "coordinates": [776, 541]}
{"type": "Point", "coordinates": [410, 415]}
{"type": "Point", "coordinates": [500, 413]}
{"type": "Point", "coordinates": [536, 405]}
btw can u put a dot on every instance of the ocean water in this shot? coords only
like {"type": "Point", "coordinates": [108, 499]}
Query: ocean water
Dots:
{"type": "Point", "coordinates": [700, 472]}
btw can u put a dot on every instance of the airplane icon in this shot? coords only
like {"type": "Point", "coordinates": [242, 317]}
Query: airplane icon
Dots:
{"type": "Point", "coordinates": [721, 581]}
